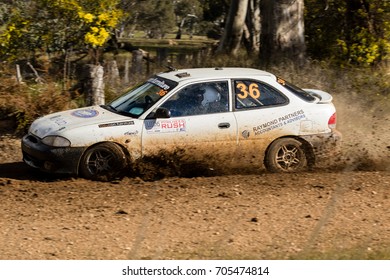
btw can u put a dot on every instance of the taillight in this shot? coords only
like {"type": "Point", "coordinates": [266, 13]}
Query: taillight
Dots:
{"type": "Point", "coordinates": [332, 121]}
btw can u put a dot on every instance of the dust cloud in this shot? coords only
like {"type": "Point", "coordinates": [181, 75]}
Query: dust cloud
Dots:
{"type": "Point", "coordinates": [365, 127]}
{"type": "Point", "coordinates": [365, 146]}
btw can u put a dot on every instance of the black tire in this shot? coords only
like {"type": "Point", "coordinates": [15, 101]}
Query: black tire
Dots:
{"type": "Point", "coordinates": [103, 162]}
{"type": "Point", "coordinates": [286, 155]}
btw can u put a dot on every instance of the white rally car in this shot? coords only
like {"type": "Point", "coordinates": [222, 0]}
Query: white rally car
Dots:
{"type": "Point", "coordinates": [220, 116]}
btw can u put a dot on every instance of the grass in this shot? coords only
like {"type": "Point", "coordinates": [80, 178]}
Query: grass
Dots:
{"type": "Point", "coordinates": [24, 102]}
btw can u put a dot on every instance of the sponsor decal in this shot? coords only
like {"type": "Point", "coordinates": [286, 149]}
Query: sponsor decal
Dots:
{"type": "Point", "coordinates": [165, 126]}
{"type": "Point", "coordinates": [85, 113]}
{"type": "Point", "coordinates": [131, 133]}
{"type": "Point", "coordinates": [292, 116]}
{"type": "Point", "coordinates": [116, 124]}
{"type": "Point", "coordinates": [279, 122]}
{"type": "Point", "coordinates": [58, 120]}
{"type": "Point", "coordinates": [281, 81]}
{"type": "Point", "coordinates": [245, 134]}
{"type": "Point", "coordinates": [159, 83]}
{"type": "Point", "coordinates": [149, 124]}
{"type": "Point", "coordinates": [245, 91]}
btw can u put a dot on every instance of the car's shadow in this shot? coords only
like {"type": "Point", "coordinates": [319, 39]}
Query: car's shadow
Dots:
{"type": "Point", "coordinates": [21, 171]}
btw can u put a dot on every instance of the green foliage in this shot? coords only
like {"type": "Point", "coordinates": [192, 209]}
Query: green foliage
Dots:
{"type": "Point", "coordinates": [183, 8]}
{"type": "Point", "coordinates": [5, 13]}
{"type": "Point", "coordinates": [57, 25]}
{"type": "Point", "coordinates": [215, 10]}
{"type": "Point", "coordinates": [365, 49]}
{"type": "Point", "coordinates": [155, 18]}
{"type": "Point", "coordinates": [352, 32]}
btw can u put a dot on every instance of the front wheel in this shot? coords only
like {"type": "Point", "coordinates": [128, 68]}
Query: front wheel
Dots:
{"type": "Point", "coordinates": [286, 155]}
{"type": "Point", "coordinates": [103, 162]}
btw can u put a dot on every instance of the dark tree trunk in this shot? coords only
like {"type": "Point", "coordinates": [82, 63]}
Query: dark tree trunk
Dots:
{"type": "Point", "coordinates": [252, 28]}
{"type": "Point", "coordinates": [231, 38]}
{"type": "Point", "coordinates": [282, 33]}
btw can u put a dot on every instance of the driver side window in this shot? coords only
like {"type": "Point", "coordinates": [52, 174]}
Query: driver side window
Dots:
{"type": "Point", "coordinates": [198, 99]}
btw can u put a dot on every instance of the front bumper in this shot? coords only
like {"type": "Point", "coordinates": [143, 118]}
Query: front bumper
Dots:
{"type": "Point", "coordinates": [50, 159]}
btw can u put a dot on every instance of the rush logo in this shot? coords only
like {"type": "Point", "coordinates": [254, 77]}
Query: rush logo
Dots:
{"type": "Point", "coordinates": [173, 124]}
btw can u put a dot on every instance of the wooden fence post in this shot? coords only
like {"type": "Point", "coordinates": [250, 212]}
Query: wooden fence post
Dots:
{"type": "Point", "coordinates": [19, 78]}
{"type": "Point", "coordinates": [126, 77]}
{"type": "Point", "coordinates": [94, 85]}
{"type": "Point", "coordinates": [136, 67]}
{"type": "Point", "coordinates": [112, 75]}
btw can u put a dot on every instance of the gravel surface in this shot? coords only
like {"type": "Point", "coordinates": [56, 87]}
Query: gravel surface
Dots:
{"type": "Point", "coordinates": [326, 213]}
{"type": "Point", "coordinates": [339, 211]}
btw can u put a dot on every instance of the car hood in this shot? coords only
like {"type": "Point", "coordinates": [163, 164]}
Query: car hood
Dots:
{"type": "Point", "coordinates": [54, 124]}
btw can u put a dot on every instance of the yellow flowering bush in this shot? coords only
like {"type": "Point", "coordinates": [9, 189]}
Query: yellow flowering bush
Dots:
{"type": "Point", "coordinates": [86, 17]}
{"type": "Point", "coordinates": [10, 38]}
{"type": "Point", "coordinates": [366, 49]}
{"type": "Point", "coordinates": [56, 24]}
{"type": "Point", "coordinates": [96, 36]}
{"type": "Point", "coordinates": [99, 25]}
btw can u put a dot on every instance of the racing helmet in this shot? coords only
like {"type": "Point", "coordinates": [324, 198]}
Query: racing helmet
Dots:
{"type": "Point", "coordinates": [210, 95]}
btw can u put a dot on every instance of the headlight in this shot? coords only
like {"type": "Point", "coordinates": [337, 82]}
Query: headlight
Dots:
{"type": "Point", "coordinates": [56, 141]}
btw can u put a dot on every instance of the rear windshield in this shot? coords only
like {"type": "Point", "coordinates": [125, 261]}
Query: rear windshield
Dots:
{"type": "Point", "coordinates": [296, 90]}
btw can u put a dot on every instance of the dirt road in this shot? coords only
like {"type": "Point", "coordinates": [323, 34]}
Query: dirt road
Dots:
{"type": "Point", "coordinates": [337, 212]}
{"type": "Point", "coordinates": [341, 213]}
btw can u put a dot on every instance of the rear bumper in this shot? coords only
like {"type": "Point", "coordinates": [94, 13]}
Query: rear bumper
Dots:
{"type": "Point", "coordinates": [50, 159]}
{"type": "Point", "coordinates": [324, 146]}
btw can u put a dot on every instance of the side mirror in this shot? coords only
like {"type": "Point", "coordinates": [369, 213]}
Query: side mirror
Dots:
{"type": "Point", "coordinates": [161, 113]}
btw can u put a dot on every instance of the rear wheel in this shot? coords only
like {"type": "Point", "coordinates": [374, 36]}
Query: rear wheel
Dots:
{"type": "Point", "coordinates": [103, 162]}
{"type": "Point", "coordinates": [286, 155]}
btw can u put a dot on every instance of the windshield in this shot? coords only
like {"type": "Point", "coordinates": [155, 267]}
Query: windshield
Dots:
{"type": "Point", "coordinates": [139, 99]}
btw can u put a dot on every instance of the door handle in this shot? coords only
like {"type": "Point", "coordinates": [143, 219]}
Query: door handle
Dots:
{"type": "Point", "coordinates": [224, 125]}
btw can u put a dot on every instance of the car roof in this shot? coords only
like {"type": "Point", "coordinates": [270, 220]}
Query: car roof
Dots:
{"type": "Point", "coordinates": [180, 75]}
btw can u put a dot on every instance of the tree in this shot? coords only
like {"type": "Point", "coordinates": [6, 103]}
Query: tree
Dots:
{"type": "Point", "coordinates": [367, 31]}
{"type": "Point", "coordinates": [5, 12]}
{"type": "Point", "coordinates": [187, 13]}
{"type": "Point", "coordinates": [321, 17]}
{"type": "Point", "coordinates": [231, 38]}
{"type": "Point", "coordinates": [252, 28]}
{"type": "Point", "coordinates": [214, 15]}
{"type": "Point", "coordinates": [282, 31]}
{"type": "Point", "coordinates": [361, 36]}
{"type": "Point", "coordinates": [155, 18]}
{"type": "Point", "coordinates": [214, 10]}
{"type": "Point", "coordinates": [57, 25]}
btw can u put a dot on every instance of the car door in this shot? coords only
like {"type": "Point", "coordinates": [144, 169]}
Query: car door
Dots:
{"type": "Point", "coordinates": [257, 108]}
{"type": "Point", "coordinates": [200, 127]}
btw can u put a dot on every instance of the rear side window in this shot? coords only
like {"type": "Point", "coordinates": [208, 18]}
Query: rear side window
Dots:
{"type": "Point", "coordinates": [254, 94]}
{"type": "Point", "coordinates": [296, 90]}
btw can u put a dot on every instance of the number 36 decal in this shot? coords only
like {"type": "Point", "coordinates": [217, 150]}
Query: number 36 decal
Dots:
{"type": "Point", "coordinates": [253, 90]}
